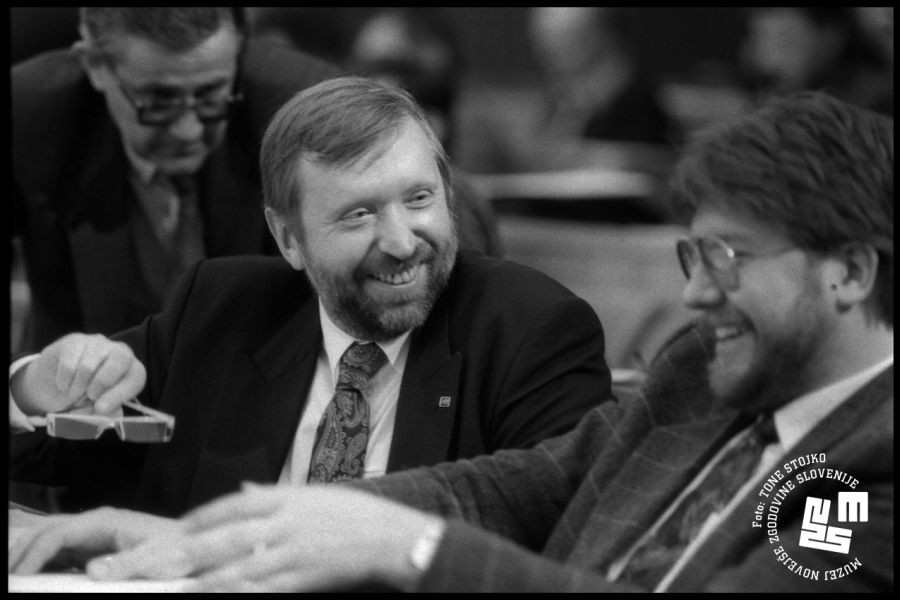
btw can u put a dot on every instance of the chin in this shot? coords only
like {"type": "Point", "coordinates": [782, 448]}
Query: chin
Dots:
{"type": "Point", "coordinates": [735, 387]}
{"type": "Point", "coordinates": [181, 166]}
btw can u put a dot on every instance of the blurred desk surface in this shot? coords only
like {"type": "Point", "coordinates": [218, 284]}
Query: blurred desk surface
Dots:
{"type": "Point", "coordinates": [578, 194]}
{"type": "Point", "coordinates": [567, 185]}
{"type": "Point", "coordinates": [80, 583]}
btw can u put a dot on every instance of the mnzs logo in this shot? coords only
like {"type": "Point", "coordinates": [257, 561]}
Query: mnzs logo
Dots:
{"type": "Point", "coordinates": [816, 533]}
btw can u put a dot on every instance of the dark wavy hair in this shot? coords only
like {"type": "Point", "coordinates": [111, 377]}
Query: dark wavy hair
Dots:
{"type": "Point", "coordinates": [175, 27]}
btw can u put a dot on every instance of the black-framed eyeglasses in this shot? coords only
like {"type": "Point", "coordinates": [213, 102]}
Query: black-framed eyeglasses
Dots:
{"type": "Point", "coordinates": [163, 112]}
{"type": "Point", "coordinates": [720, 259]}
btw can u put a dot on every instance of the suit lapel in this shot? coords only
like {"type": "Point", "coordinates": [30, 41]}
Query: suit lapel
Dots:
{"type": "Point", "coordinates": [234, 222]}
{"type": "Point", "coordinates": [99, 236]}
{"type": "Point", "coordinates": [255, 423]}
{"type": "Point", "coordinates": [734, 536]}
{"type": "Point", "coordinates": [429, 396]}
{"type": "Point", "coordinates": [669, 458]}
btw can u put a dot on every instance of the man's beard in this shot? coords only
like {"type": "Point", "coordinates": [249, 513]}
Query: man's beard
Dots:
{"type": "Point", "coordinates": [364, 317]}
{"type": "Point", "coordinates": [783, 363]}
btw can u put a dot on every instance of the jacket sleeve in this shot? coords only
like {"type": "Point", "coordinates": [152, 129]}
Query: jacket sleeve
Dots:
{"type": "Point", "coordinates": [520, 494]}
{"type": "Point", "coordinates": [103, 471]}
{"type": "Point", "coordinates": [558, 374]}
{"type": "Point", "coordinates": [472, 560]}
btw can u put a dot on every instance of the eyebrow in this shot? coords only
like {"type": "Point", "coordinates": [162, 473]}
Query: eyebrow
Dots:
{"type": "Point", "coordinates": [173, 90]}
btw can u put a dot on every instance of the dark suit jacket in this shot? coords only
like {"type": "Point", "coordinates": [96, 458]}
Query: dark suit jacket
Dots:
{"type": "Point", "coordinates": [576, 503]}
{"type": "Point", "coordinates": [71, 194]}
{"type": "Point", "coordinates": [520, 358]}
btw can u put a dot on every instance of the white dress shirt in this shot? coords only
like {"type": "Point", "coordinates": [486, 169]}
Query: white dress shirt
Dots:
{"type": "Point", "coordinates": [381, 393]}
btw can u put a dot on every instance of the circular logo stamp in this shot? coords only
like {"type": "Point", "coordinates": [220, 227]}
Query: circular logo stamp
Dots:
{"type": "Point", "coordinates": [831, 502]}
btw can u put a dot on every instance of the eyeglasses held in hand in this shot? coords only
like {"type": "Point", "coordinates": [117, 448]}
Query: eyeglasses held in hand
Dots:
{"type": "Point", "coordinates": [151, 427]}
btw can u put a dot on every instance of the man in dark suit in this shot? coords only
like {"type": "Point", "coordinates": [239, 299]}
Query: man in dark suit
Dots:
{"type": "Point", "coordinates": [135, 153]}
{"type": "Point", "coordinates": [719, 476]}
{"type": "Point", "coordinates": [481, 354]}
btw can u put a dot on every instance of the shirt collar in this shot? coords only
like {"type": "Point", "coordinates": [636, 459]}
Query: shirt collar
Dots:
{"type": "Point", "coordinates": [335, 341]}
{"type": "Point", "coordinates": [141, 167]}
{"type": "Point", "coordinates": [797, 418]}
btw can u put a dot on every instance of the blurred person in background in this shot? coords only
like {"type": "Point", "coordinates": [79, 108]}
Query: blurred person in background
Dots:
{"type": "Point", "coordinates": [589, 104]}
{"type": "Point", "coordinates": [877, 26]}
{"type": "Point", "coordinates": [793, 48]}
{"type": "Point", "coordinates": [594, 86]}
{"type": "Point", "coordinates": [417, 50]}
{"type": "Point", "coordinates": [134, 153]}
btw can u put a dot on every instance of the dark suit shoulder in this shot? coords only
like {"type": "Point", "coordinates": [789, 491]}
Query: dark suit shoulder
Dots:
{"type": "Point", "coordinates": [483, 278]}
{"type": "Point", "coordinates": [53, 108]}
{"type": "Point", "coordinates": [247, 275]}
{"type": "Point", "coordinates": [271, 74]}
{"type": "Point", "coordinates": [248, 297]}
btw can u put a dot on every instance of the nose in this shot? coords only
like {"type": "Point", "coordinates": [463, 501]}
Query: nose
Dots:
{"type": "Point", "coordinates": [701, 290]}
{"type": "Point", "coordinates": [395, 234]}
{"type": "Point", "coordinates": [187, 127]}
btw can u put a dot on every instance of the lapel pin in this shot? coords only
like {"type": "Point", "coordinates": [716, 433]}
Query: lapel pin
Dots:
{"type": "Point", "coordinates": [444, 402]}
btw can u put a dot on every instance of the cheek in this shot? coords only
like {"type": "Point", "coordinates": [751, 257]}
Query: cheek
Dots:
{"type": "Point", "coordinates": [437, 224]}
{"type": "Point", "coordinates": [339, 254]}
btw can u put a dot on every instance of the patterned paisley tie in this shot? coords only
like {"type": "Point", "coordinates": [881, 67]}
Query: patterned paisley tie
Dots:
{"type": "Point", "coordinates": [658, 552]}
{"type": "Point", "coordinates": [340, 448]}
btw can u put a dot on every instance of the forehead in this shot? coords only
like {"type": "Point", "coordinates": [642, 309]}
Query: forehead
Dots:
{"type": "Point", "coordinates": [400, 158]}
{"type": "Point", "coordinates": [711, 220]}
{"type": "Point", "coordinates": [144, 61]}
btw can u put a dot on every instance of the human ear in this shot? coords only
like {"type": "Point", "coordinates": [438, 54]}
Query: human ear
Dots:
{"type": "Point", "coordinates": [853, 277]}
{"type": "Point", "coordinates": [92, 63]}
{"type": "Point", "coordinates": [284, 236]}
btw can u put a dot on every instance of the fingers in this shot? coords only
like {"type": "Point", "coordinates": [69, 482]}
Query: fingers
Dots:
{"type": "Point", "coordinates": [272, 572]}
{"type": "Point", "coordinates": [154, 559]}
{"type": "Point", "coordinates": [183, 555]}
{"type": "Point", "coordinates": [116, 383]}
{"type": "Point", "coordinates": [86, 534]}
{"type": "Point", "coordinates": [253, 502]}
{"type": "Point", "coordinates": [286, 565]}
{"type": "Point", "coordinates": [107, 372]}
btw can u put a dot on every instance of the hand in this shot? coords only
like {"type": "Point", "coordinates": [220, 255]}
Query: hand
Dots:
{"type": "Point", "coordinates": [279, 539]}
{"type": "Point", "coordinates": [60, 541]}
{"type": "Point", "coordinates": [78, 366]}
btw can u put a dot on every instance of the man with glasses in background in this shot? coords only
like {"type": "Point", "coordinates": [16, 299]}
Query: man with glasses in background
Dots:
{"type": "Point", "coordinates": [779, 397]}
{"type": "Point", "coordinates": [135, 153]}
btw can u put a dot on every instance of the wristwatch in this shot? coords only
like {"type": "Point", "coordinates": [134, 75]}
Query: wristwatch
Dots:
{"type": "Point", "coordinates": [423, 550]}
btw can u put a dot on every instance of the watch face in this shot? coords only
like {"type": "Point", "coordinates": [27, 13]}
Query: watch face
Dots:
{"type": "Point", "coordinates": [423, 550]}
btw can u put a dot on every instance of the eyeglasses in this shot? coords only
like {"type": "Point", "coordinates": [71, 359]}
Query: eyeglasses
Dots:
{"type": "Point", "coordinates": [152, 427]}
{"type": "Point", "coordinates": [163, 112]}
{"type": "Point", "coordinates": [718, 257]}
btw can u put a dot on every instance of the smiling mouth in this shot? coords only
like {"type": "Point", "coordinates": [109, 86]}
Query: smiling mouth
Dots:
{"type": "Point", "coordinates": [730, 332]}
{"type": "Point", "coordinates": [400, 278]}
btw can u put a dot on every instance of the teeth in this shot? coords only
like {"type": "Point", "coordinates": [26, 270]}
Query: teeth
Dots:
{"type": "Point", "coordinates": [397, 278]}
{"type": "Point", "coordinates": [726, 333]}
